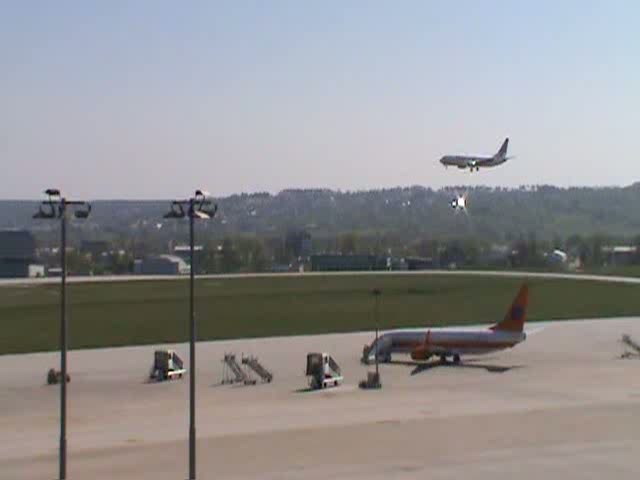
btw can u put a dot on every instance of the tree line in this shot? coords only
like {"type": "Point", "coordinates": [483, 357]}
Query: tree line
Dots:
{"type": "Point", "coordinates": [244, 253]}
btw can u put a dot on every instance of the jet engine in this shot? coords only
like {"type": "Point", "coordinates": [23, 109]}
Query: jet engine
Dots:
{"type": "Point", "coordinates": [420, 353]}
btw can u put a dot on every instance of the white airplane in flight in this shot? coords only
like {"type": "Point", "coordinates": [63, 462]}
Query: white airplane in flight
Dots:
{"type": "Point", "coordinates": [460, 203]}
{"type": "Point", "coordinates": [475, 163]}
{"type": "Point", "coordinates": [424, 343]}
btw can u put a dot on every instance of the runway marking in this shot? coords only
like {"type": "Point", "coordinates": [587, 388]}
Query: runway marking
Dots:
{"type": "Point", "coordinates": [489, 273]}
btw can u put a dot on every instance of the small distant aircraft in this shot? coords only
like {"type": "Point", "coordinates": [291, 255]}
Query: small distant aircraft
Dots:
{"type": "Point", "coordinates": [459, 203]}
{"type": "Point", "coordinates": [474, 163]}
{"type": "Point", "coordinates": [422, 344]}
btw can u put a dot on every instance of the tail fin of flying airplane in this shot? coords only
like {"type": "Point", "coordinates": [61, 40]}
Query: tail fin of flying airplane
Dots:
{"type": "Point", "coordinates": [503, 149]}
{"type": "Point", "coordinates": [517, 314]}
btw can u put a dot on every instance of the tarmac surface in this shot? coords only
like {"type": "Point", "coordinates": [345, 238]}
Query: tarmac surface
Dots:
{"type": "Point", "coordinates": [561, 405]}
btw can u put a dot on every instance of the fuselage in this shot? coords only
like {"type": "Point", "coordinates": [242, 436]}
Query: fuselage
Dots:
{"type": "Point", "coordinates": [473, 162]}
{"type": "Point", "coordinates": [462, 161]}
{"type": "Point", "coordinates": [423, 343]}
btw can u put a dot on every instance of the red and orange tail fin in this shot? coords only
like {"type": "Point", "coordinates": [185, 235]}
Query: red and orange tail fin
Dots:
{"type": "Point", "coordinates": [421, 352]}
{"type": "Point", "coordinates": [517, 314]}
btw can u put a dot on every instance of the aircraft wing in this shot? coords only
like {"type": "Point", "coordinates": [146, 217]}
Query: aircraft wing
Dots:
{"type": "Point", "coordinates": [476, 161]}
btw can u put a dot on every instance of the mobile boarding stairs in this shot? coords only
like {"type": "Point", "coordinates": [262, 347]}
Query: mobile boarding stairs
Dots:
{"type": "Point", "coordinates": [234, 373]}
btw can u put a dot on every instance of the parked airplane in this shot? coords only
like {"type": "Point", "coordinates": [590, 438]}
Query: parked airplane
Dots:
{"type": "Point", "coordinates": [424, 343]}
{"type": "Point", "coordinates": [474, 163]}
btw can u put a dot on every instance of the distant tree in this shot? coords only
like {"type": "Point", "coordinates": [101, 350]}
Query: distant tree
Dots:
{"type": "Point", "coordinates": [229, 258]}
{"type": "Point", "coordinates": [533, 251]}
{"type": "Point", "coordinates": [557, 242]}
{"type": "Point", "coordinates": [452, 253]}
{"type": "Point", "coordinates": [597, 257]}
{"type": "Point", "coordinates": [258, 261]}
{"type": "Point", "coordinates": [348, 243]}
{"type": "Point", "coordinates": [120, 264]}
{"type": "Point", "coordinates": [377, 245]}
{"type": "Point", "coordinates": [293, 243]}
{"type": "Point", "coordinates": [78, 263]}
{"type": "Point", "coordinates": [577, 246]}
{"type": "Point", "coordinates": [427, 247]}
{"type": "Point", "coordinates": [574, 242]}
{"type": "Point", "coordinates": [519, 253]}
{"type": "Point", "coordinates": [209, 257]}
{"type": "Point", "coordinates": [471, 248]}
{"type": "Point", "coordinates": [251, 254]}
{"type": "Point", "coordinates": [636, 255]}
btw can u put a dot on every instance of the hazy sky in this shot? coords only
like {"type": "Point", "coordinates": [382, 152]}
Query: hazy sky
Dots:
{"type": "Point", "coordinates": [148, 99]}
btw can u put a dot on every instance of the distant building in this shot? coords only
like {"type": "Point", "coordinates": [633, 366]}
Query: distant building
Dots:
{"type": "Point", "coordinates": [18, 255]}
{"type": "Point", "coordinates": [54, 272]}
{"type": "Point", "coordinates": [161, 265]}
{"type": "Point", "coordinates": [94, 247]}
{"type": "Point", "coordinates": [619, 254]}
{"type": "Point", "coordinates": [334, 263]}
{"type": "Point", "coordinates": [184, 252]}
{"type": "Point", "coordinates": [395, 263]}
{"type": "Point", "coordinates": [419, 263]}
{"type": "Point", "coordinates": [281, 268]}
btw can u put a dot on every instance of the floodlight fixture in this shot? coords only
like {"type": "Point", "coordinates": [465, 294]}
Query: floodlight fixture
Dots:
{"type": "Point", "coordinates": [42, 213]}
{"type": "Point", "coordinates": [82, 214]}
{"type": "Point", "coordinates": [176, 211]}
{"type": "Point", "coordinates": [206, 212]}
{"type": "Point", "coordinates": [202, 194]}
{"type": "Point", "coordinates": [52, 192]}
{"type": "Point", "coordinates": [201, 215]}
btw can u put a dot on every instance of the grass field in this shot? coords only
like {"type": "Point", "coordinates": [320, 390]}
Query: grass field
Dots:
{"type": "Point", "coordinates": [111, 314]}
{"type": "Point", "coordinates": [618, 270]}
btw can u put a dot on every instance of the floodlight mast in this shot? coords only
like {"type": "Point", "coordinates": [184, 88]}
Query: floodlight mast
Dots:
{"type": "Point", "coordinates": [50, 212]}
{"type": "Point", "coordinates": [196, 208]}
{"type": "Point", "coordinates": [376, 293]}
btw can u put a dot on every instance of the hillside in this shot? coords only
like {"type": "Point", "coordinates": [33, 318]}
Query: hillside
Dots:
{"type": "Point", "coordinates": [495, 214]}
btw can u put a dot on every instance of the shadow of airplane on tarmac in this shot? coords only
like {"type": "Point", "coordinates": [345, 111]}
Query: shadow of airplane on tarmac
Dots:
{"type": "Point", "coordinates": [420, 367]}
{"type": "Point", "coordinates": [305, 390]}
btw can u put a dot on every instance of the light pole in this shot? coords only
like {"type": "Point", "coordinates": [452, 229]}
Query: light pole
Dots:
{"type": "Point", "coordinates": [376, 294]}
{"type": "Point", "coordinates": [56, 207]}
{"type": "Point", "coordinates": [197, 207]}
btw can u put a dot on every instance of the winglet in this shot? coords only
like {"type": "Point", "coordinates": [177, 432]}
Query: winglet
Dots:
{"type": "Point", "coordinates": [517, 314]}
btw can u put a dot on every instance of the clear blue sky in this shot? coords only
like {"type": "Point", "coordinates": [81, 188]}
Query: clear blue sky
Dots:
{"type": "Point", "coordinates": [151, 99]}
